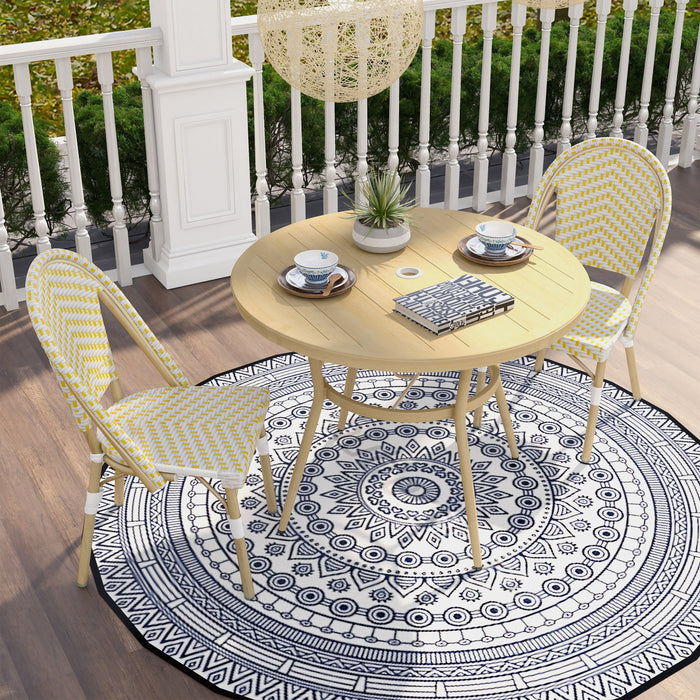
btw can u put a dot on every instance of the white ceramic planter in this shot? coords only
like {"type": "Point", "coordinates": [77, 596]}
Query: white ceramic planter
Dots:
{"type": "Point", "coordinates": [380, 240]}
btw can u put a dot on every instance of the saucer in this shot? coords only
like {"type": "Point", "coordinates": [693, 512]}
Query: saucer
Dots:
{"type": "Point", "coordinates": [469, 246]}
{"type": "Point", "coordinates": [298, 281]}
{"type": "Point", "coordinates": [340, 287]}
{"type": "Point", "coordinates": [513, 250]}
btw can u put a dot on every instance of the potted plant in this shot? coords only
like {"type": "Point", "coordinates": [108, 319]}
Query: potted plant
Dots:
{"type": "Point", "coordinates": [382, 214]}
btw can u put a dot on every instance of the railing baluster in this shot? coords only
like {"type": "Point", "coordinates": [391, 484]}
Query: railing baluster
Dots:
{"type": "Point", "coordinates": [641, 131]}
{"type": "Point", "coordinates": [361, 173]}
{"type": "Point", "coordinates": [481, 164]}
{"type": "Point", "coordinates": [256, 52]}
{"type": "Point", "coordinates": [602, 10]}
{"type": "Point", "coordinates": [423, 172]}
{"type": "Point", "coordinates": [459, 27]}
{"type": "Point", "coordinates": [64, 77]}
{"type": "Point", "coordinates": [144, 67]}
{"type": "Point", "coordinates": [510, 157]}
{"type": "Point", "coordinates": [23, 86]}
{"type": "Point", "coordinates": [298, 198]}
{"type": "Point", "coordinates": [7, 272]}
{"type": "Point", "coordinates": [105, 76]}
{"type": "Point", "coordinates": [537, 149]}
{"type": "Point", "coordinates": [690, 129]}
{"type": "Point", "coordinates": [629, 6]}
{"type": "Point", "coordinates": [330, 191]}
{"type": "Point", "coordinates": [663, 146]}
{"type": "Point", "coordinates": [393, 160]}
{"type": "Point", "coordinates": [575, 14]}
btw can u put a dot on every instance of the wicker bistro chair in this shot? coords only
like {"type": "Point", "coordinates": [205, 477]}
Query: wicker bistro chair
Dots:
{"type": "Point", "coordinates": [612, 197]}
{"type": "Point", "coordinates": [155, 435]}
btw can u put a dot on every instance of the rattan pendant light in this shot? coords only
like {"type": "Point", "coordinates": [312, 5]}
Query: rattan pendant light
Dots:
{"type": "Point", "coordinates": [340, 50]}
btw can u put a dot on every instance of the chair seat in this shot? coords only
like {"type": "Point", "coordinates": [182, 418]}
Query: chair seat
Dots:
{"type": "Point", "coordinates": [600, 325]}
{"type": "Point", "coordinates": [194, 429]}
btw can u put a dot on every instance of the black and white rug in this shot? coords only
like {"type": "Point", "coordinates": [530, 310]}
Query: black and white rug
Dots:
{"type": "Point", "coordinates": [591, 582]}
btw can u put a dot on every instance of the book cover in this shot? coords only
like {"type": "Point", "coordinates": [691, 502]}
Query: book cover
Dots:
{"type": "Point", "coordinates": [452, 304]}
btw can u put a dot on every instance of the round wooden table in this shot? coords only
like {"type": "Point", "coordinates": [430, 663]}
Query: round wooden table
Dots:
{"type": "Point", "coordinates": [359, 329]}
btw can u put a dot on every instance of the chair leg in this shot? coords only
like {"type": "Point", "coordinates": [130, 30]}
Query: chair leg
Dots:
{"type": "Point", "coordinates": [596, 391]}
{"type": "Point", "coordinates": [236, 523]}
{"type": "Point", "coordinates": [264, 454]}
{"type": "Point", "coordinates": [505, 419]}
{"type": "Point", "coordinates": [632, 369]}
{"type": "Point", "coordinates": [119, 491]}
{"type": "Point", "coordinates": [347, 391]}
{"type": "Point", "coordinates": [92, 502]}
{"type": "Point", "coordinates": [539, 359]}
{"type": "Point", "coordinates": [480, 384]}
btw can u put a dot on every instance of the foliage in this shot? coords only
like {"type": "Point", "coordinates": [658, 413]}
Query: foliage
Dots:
{"type": "Point", "coordinates": [14, 178]}
{"type": "Point", "coordinates": [382, 203]}
{"type": "Point", "coordinates": [131, 145]}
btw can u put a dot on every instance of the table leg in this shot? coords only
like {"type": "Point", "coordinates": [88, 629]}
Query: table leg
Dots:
{"type": "Point", "coordinates": [465, 465]}
{"type": "Point", "coordinates": [505, 419]}
{"type": "Point", "coordinates": [480, 384]}
{"type": "Point", "coordinates": [347, 391]}
{"type": "Point", "coordinates": [306, 440]}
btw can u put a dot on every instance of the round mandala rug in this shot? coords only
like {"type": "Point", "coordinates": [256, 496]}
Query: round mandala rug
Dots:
{"type": "Point", "coordinates": [590, 586]}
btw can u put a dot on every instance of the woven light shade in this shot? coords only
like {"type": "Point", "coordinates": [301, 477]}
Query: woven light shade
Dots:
{"type": "Point", "coordinates": [550, 4]}
{"type": "Point", "coordinates": [340, 50]}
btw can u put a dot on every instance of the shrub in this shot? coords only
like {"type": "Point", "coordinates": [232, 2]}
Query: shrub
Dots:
{"type": "Point", "coordinates": [14, 179]}
{"type": "Point", "coordinates": [131, 145]}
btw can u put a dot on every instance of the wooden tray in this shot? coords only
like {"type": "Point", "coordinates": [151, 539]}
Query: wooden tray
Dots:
{"type": "Point", "coordinates": [484, 260]}
{"type": "Point", "coordinates": [338, 289]}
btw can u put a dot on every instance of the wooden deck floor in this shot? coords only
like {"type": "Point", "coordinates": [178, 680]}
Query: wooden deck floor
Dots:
{"type": "Point", "coordinates": [58, 641]}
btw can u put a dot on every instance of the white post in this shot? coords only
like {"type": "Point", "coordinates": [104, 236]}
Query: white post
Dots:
{"type": "Point", "coordinates": [575, 14]}
{"type": "Point", "coordinates": [423, 172]}
{"type": "Point", "coordinates": [23, 86]}
{"type": "Point", "coordinates": [629, 6]}
{"type": "Point", "coordinates": [256, 53]}
{"type": "Point", "coordinates": [362, 167]}
{"type": "Point", "coordinates": [459, 26]}
{"type": "Point", "coordinates": [663, 147]}
{"type": "Point", "coordinates": [690, 130]}
{"type": "Point", "coordinates": [393, 159]}
{"type": "Point", "coordinates": [641, 131]}
{"type": "Point", "coordinates": [200, 111]}
{"type": "Point", "coordinates": [298, 198]}
{"type": "Point", "coordinates": [537, 149]}
{"type": "Point", "coordinates": [330, 190]}
{"type": "Point", "coordinates": [64, 78]}
{"type": "Point", "coordinates": [603, 10]}
{"type": "Point", "coordinates": [7, 272]}
{"type": "Point", "coordinates": [481, 164]}
{"type": "Point", "coordinates": [510, 157]}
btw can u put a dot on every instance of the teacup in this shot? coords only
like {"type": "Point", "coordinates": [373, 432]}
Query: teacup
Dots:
{"type": "Point", "coordinates": [316, 266]}
{"type": "Point", "coordinates": [495, 235]}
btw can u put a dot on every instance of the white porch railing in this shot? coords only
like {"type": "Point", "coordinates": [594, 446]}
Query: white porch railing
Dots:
{"type": "Point", "coordinates": [142, 41]}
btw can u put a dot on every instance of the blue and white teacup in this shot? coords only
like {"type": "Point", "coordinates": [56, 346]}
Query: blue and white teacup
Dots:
{"type": "Point", "coordinates": [316, 266]}
{"type": "Point", "coordinates": [496, 236]}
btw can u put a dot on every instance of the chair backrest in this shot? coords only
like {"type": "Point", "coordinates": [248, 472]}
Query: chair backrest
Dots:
{"type": "Point", "coordinates": [64, 296]}
{"type": "Point", "coordinates": [613, 195]}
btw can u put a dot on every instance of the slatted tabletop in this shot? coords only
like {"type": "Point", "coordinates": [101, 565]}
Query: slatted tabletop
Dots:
{"type": "Point", "coordinates": [360, 328]}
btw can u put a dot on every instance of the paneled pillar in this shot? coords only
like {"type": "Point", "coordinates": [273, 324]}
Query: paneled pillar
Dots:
{"type": "Point", "coordinates": [200, 115]}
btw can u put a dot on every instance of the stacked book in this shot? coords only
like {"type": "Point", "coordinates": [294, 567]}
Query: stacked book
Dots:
{"type": "Point", "coordinates": [453, 304]}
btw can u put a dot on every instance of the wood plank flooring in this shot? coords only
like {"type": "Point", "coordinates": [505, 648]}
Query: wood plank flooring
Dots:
{"type": "Point", "coordinates": [58, 641]}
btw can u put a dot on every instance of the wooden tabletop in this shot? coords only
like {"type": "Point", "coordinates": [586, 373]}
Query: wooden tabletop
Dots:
{"type": "Point", "coordinates": [360, 328]}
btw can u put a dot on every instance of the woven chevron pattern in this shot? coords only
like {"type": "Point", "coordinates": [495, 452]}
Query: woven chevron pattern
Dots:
{"type": "Point", "coordinates": [194, 429]}
{"type": "Point", "coordinates": [613, 196]}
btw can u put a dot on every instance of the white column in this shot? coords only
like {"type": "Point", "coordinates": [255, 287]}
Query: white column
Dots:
{"type": "Point", "coordinates": [510, 157]}
{"type": "Point", "coordinates": [690, 128]}
{"type": "Point", "coordinates": [330, 191]}
{"type": "Point", "coordinates": [663, 147]}
{"type": "Point", "coordinates": [603, 10]}
{"type": "Point", "coordinates": [459, 26]}
{"type": "Point", "coordinates": [537, 149]}
{"type": "Point", "coordinates": [423, 172]}
{"type": "Point", "coordinates": [7, 271]}
{"type": "Point", "coordinates": [23, 86]}
{"type": "Point", "coordinates": [630, 6]}
{"type": "Point", "coordinates": [362, 168]}
{"type": "Point", "coordinates": [297, 196]}
{"type": "Point", "coordinates": [641, 131]}
{"type": "Point", "coordinates": [393, 159]}
{"type": "Point", "coordinates": [64, 78]}
{"type": "Point", "coordinates": [575, 14]}
{"type": "Point", "coordinates": [200, 112]}
{"type": "Point", "coordinates": [481, 164]}
{"type": "Point", "coordinates": [256, 54]}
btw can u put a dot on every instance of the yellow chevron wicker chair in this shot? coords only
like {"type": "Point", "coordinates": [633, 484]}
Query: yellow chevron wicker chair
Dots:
{"type": "Point", "coordinates": [155, 435]}
{"type": "Point", "coordinates": [612, 197]}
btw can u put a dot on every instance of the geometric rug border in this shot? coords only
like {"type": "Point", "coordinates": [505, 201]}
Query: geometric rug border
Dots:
{"type": "Point", "coordinates": [225, 693]}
